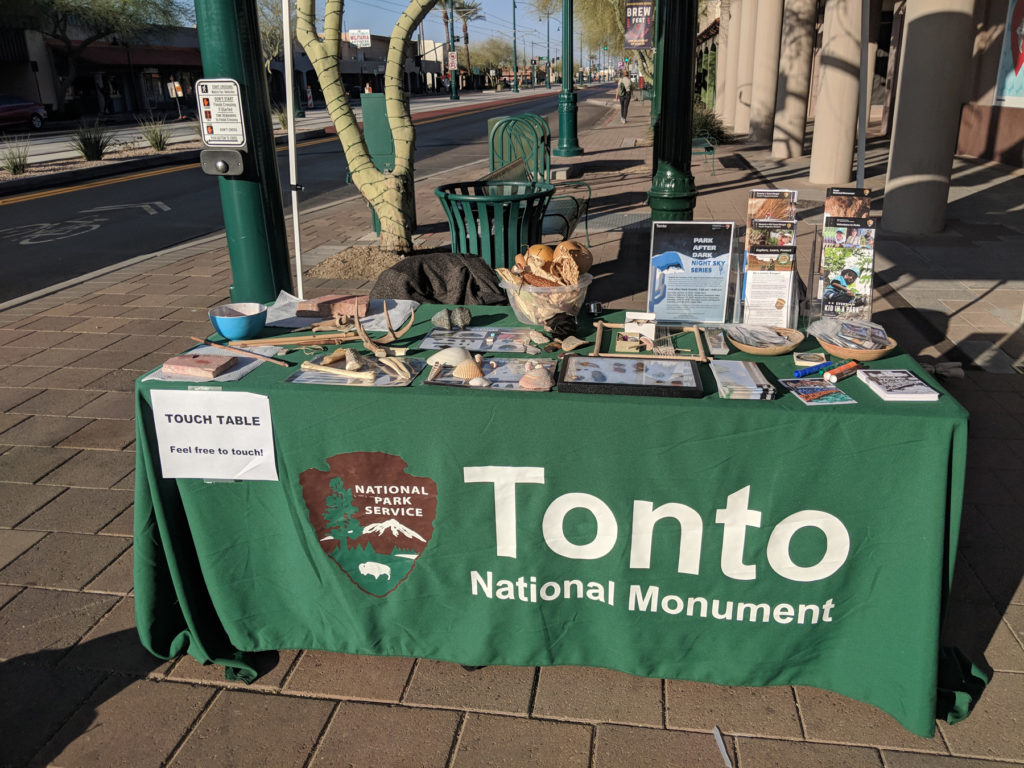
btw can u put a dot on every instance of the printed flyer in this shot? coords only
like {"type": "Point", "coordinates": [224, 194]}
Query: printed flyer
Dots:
{"type": "Point", "coordinates": [847, 266]}
{"type": "Point", "coordinates": [688, 280]}
{"type": "Point", "coordinates": [770, 257]}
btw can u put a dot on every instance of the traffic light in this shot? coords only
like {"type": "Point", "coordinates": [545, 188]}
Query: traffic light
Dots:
{"type": "Point", "coordinates": [626, 60]}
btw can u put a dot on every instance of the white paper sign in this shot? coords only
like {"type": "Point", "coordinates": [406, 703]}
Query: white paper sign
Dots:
{"type": "Point", "coordinates": [214, 435]}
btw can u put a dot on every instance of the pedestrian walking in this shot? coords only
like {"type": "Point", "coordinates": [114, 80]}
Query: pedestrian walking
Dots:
{"type": "Point", "coordinates": [625, 93]}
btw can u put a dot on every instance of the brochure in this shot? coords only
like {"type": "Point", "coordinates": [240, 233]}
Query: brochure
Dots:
{"type": "Point", "coordinates": [848, 257]}
{"type": "Point", "coordinates": [688, 279]}
{"type": "Point", "coordinates": [769, 257]}
{"type": "Point", "coordinates": [817, 392]}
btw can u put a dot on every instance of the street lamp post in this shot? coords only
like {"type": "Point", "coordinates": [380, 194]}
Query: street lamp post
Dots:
{"type": "Point", "coordinates": [515, 53]}
{"type": "Point", "coordinates": [533, 66]}
{"type": "Point", "coordinates": [568, 145]}
{"type": "Point", "coordinates": [673, 190]}
{"type": "Point", "coordinates": [547, 61]}
{"type": "Point", "coordinates": [453, 74]}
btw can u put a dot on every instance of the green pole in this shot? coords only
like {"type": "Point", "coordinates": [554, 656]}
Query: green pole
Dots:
{"type": "Point", "coordinates": [515, 53]}
{"type": "Point", "coordinates": [673, 192]}
{"type": "Point", "coordinates": [229, 42]}
{"type": "Point", "coordinates": [568, 144]}
{"type": "Point", "coordinates": [453, 74]}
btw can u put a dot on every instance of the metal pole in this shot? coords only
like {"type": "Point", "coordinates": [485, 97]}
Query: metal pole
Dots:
{"type": "Point", "coordinates": [253, 211]}
{"type": "Point", "coordinates": [515, 54]}
{"type": "Point", "coordinates": [453, 74]}
{"type": "Point", "coordinates": [673, 191]}
{"type": "Point", "coordinates": [293, 176]}
{"type": "Point", "coordinates": [862, 118]}
{"type": "Point", "coordinates": [547, 69]}
{"type": "Point", "coordinates": [568, 144]}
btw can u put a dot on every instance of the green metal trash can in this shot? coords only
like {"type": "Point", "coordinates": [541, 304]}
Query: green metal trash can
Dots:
{"type": "Point", "coordinates": [494, 220]}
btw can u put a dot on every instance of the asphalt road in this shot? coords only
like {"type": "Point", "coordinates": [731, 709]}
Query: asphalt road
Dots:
{"type": "Point", "coordinates": [57, 234]}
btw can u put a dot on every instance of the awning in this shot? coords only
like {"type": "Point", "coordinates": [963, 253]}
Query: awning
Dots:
{"type": "Point", "coordinates": [107, 55]}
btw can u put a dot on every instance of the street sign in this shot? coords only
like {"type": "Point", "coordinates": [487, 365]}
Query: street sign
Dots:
{"type": "Point", "coordinates": [453, 60]}
{"type": "Point", "coordinates": [220, 112]}
{"type": "Point", "coordinates": [533, 62]}
{"type": "Point", "coordinates": [360, 38]}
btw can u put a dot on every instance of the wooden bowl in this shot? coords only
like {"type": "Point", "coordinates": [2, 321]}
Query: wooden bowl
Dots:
{"type": "Point", "coordinates": [860, 355]}
{"type": "Point", "coordinates": [794, 336]}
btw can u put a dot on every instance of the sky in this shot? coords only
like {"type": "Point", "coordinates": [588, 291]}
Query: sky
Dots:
{"type": "Point", "coordinates": [379, 17]}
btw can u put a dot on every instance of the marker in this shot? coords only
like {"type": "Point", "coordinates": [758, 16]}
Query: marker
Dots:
{"type": "Point", "coordinates": [842, 372]}
{"type": "Point", "coordinates": [799, 374]}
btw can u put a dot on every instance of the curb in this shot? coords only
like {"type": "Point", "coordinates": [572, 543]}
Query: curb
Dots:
{"type": "Point", "coordinates": [160, 159]}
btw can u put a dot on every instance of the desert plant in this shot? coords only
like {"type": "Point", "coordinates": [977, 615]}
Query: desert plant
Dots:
{"type": "Point", "coordinates": [14, 155]}
{"type": "Point", "coordinates": [706, 123]}
{"type": "Point", "coordinates": [155, 133]}
{"type": "Point", "coordinates": [281, 113]}
{"type": "Point", "coordinates": [91, 141]}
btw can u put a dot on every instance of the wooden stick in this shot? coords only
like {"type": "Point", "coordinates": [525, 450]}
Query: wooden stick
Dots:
{"type": "Point", "coordinates": [300, 340]}
{"type": "Point", "coordinates": [244, 352]}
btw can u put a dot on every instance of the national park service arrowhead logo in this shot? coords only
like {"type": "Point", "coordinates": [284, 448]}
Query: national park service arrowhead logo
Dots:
{"type": "Point", "coordinates": [371, 517]}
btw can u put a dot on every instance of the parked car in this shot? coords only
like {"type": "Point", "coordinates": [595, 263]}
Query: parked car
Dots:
{"type": "Point", "coordinates": [21, 113]}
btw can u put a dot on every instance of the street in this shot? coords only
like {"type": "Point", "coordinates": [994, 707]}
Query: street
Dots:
{"type": "Point", "coordinates": [54, 235]}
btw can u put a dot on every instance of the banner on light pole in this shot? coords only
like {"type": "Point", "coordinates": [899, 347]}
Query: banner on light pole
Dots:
{"type": "Point", "coordinates": [639, 26]}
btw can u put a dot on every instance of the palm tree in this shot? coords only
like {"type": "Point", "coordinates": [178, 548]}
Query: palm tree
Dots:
{"type": "Point", "coordinates": [443, 4]}
{"type": "Point", "coordinates": [467, 11]}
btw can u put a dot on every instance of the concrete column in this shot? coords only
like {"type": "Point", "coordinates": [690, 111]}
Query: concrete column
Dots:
{"type": "Point", "coordinates": [835, 112]}
{"type": "Point", "coordinates": [794, 84]}
{"type": "Point", "coordinates": [728, 108]}
{"type": "Point", "coordinates": [766, 70]}
{"type": "Point", "coordinates": [745, 71]}
{"type": "Point", "coordinates": [722, 55]}
{"type": "Point", "coordinates": [937, 45]}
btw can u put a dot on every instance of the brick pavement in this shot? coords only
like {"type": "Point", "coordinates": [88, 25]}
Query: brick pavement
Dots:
{"type": "Point", "coordinates": [80, 691]}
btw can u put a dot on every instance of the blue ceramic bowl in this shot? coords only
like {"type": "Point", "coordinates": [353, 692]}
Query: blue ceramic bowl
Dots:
{"type": "Point", "coordinates": [239, 321]}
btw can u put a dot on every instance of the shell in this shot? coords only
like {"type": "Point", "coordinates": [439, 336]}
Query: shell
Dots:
{"type": "Point", "coordinates": [570, 343]}
{"type": "Point", "coordinates": [537, 378]}
{"type": "Point", "coordinates": [539, 282]}
{"type": "Point", "coordinates": [584, 258]}
{"type": "Point", "coordinates": [449, 356]}
{"type": "Point", "coordinates": [538, 337]}
{"type": "Point", "coordinates": [442, 319]}
{"type": "Point", "coordinates": [479, 381]}
{"type": "Point", "coordinates": [509, 277]}
{"type": "Point", "coordinates": [461, 317]}
{"type": "Point", "coordinates": [354, 361]}
{"type": "Point", "coordinates": [567, 270]}
{"type": "Point", "coordinates": [543, 252]}
{"type": "Point", "coordinates": [468, 369]}
{"type": "Point", "coordinates": [520, 262]}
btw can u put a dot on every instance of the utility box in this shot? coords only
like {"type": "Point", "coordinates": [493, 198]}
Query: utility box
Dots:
{"type": "Point", "coordinates": [379, 141]}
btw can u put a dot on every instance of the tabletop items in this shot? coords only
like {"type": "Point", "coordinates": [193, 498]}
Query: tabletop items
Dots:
{"type": "Point", "coordinates": [641, 356]}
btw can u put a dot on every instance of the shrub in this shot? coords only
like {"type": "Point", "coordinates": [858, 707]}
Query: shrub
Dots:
{"type": "Point", "coordinates": [707, 123]}
{"type": "Point", "coordinates": [155, 133]}
{"type": "Point", "coordinates": [281, 113]}
{"type": "Point", "coordinates": [91, 141]}
{"type": "Point", "coordinates": [14, 156]}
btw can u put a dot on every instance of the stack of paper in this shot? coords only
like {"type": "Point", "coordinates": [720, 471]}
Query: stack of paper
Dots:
{"type": "Point", "coordinates": [741, 380]}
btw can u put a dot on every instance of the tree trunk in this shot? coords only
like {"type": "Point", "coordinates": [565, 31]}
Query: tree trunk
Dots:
{"type": "Point", "coordinates": [391, 195]}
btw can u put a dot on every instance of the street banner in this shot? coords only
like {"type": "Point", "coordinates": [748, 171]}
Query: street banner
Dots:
{"type": "Point", "coordinates": [639, 24]}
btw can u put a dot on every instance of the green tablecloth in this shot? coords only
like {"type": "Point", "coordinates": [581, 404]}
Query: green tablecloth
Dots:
{"type": "Point", "coordinates": [799, 545]}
